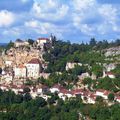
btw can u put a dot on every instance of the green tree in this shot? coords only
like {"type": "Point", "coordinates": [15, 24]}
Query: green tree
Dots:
{"type": "Point", "coordinates": [97, 70]}
{"type": "Point", "coordinates": [9, 45]}
{"type": "Point", "coordinates": [30, 41]}
{"type": "Point", "coordinates": [111, 97]}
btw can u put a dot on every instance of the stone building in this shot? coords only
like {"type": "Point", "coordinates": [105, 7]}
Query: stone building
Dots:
{"type": "Point", "coordinates": [33, 68]}
{"type": "Point", "coordinates": [19, 43]}
{"type": "Point", "coordinates": [20, 72]}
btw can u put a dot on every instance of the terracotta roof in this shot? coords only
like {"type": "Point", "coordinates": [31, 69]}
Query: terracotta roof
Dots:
{"type": "Point", "coordinates": [109, 73]}
{"type": "Point", "coordinates": [86, 93]}
{"type": "Point", "coordinates": [100, 90]}
{"type": "Point", "coordinates": [21, 66]}
{"type": "Point", "coordinates": [64, 91]}
{"type": "Point", "coordinates": [43, 39]}
{"type": "Point", "coordinates": [34, 61]}
{"type": "Point", "coordinates": [107, 92]}
{"type": "Point", "coordinates": [77, 91]}
{"type": "Point", "coordinates": [118, 98]}
{"type": "Point", "coordinates": [56, 86]}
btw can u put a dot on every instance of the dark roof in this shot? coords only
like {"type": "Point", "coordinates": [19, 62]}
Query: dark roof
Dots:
{"type": "Point", "coordinates": [34, 61]}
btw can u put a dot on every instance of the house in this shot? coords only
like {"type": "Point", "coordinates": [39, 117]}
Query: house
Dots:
{"type": "Point", "coordinates": [92, 98]}
{"type": "Point", "coordinates": [102, 93]}
{"type": "Point", "coordinates": [70, 65]}
{"type": "Point", "coordinates": [117, 99]}
{"type": "Point", "coordinates": [43, 89]}
{"type": "Point", "coordinates": [83, 76]}
{"type": "Point", "coordinates": [109, 67]}
{"type": "Point", "coordinates": [17, 89]}
{"type": "Point", "coordinates": [20, 71]}
{"type": "Point", "coordinates": [4, 87]}
{"type": "Point", "coordinates": [33, 68]}
{"type": "Point", "coordinates": [42, 42]}
{"type": "Point", "coordinates": [110, 75]}
{"type": "Point", "coordinates": [55, 88]}
{"type": "Point", "coordinates": [7, 77]}
{"type": "Point", "coordinates": [8, 63]}
{"type": "Point", "coordinates": [78, 91]}
{"type": "Point", "coordinates": [19, 43]}
{"type": "Point", "coordinates": [62, 94]}
{"type": "Point", "coordinates": [33, 92]}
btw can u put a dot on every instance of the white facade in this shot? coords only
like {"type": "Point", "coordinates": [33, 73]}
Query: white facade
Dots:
{"type": "Point", "coordinates": [111, 76]}
{"type": "Point", "coordinates": [84, 75]}
{"type": "Point", "coordinates": [8, 63]}
{"type": "Point", "coordinates": [117, 99]}
{"type": "Point", "coordinates": [20, 72]}
{"type": "Point", "coordinates": [33, 70]}
{"type": "Point", "coordinates": [42, 41]}
{"type": "Point", "coordinates": [39, 91]}
{"type": "Point", "coordinates": [53, 90]}
{"type": "Point", "coordinates": [62, 96]}
{"type": "Point", "coordinates": [103, 94]}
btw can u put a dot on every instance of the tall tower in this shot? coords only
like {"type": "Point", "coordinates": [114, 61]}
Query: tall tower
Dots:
{"type": "Point", "coordinates": [51, 37]}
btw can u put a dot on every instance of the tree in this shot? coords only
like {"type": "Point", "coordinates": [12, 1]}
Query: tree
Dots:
{"type": "Point", "coordinates": [93, 42]}
{"type": "Point", "coordinates": [30, 41]}
{"type": "Point", "coordinates": [43, 114]}
{"type": "Point", "coordinates": [97, 70]}
{"type": "Point", "coordinates": [18, 98]}
{"type": "Point", "coordinates": [40, 102]}
{"type": "Point", "coordinates": [116, 71]}
{"type": "Point", "coordinates": [26, 90]}
{"type": "Point", "coordinates": [99, 99]}
{"type": "Point", "coordinates": [27, 97]}
{"type": "Point", "coordinates": [111, 97]}
{"type": "Point", "coordinates": [9, 45]}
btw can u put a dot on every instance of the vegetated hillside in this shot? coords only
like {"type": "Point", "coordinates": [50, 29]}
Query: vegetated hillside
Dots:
{"type": "Point", "coordinates": [92, 53]}
{"type": "Point", "coordinates": [93, 58]}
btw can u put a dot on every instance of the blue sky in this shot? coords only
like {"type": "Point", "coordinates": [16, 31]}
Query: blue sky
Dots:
{"type": "Point", "coordinates": [74, 20]}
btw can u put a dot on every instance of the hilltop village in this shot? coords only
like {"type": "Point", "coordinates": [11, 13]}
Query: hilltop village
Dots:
{"type": "Point", "coordinates": [23, 67]}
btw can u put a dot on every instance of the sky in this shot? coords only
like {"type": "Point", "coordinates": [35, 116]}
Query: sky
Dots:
{"type": "Point", "coordinates": [73, 20]}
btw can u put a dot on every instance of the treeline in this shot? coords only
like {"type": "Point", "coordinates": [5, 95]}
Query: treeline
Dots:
{"type": "Point", "coordinates": [15, 107]}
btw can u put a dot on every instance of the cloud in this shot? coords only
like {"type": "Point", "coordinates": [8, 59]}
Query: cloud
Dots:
{"type": "Point", "coordinates": [68, 19]}
{"type": "Point", "coordinates": [32, 23]}
{"type": "Point", "coordinates": [45, 28]}
{"type": "Point", "coordinates": [109, 13]}
{"type": "Point", "coordinates": [54, 10]}
{"type": "Point", "coordinates": [82, 5]}
{"type": "Point", "coordinates": [6, 18]}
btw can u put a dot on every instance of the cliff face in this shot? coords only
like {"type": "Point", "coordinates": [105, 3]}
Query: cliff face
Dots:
{"type": "Point", "coordinates": [20, 56]}
{"type": "Point", "coordinates": [112, 51]}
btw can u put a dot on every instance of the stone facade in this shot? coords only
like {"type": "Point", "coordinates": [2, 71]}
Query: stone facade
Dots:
{"type": "Point", "coordinates": [33, 68]}
{"type": "Point", "coordinates": [20, 72]}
